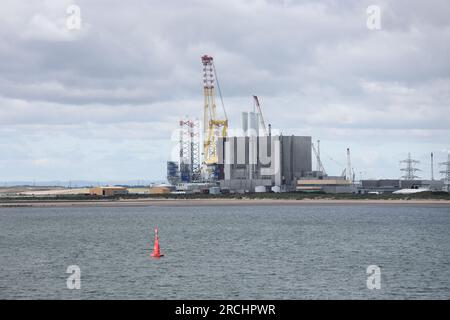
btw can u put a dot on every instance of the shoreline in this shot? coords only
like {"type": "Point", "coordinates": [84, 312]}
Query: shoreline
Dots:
{"type": "Point", "coordinates": [218, 202]}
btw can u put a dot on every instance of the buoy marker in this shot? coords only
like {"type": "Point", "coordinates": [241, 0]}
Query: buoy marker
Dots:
{"type": "Point", "coordinates": [156, 252]}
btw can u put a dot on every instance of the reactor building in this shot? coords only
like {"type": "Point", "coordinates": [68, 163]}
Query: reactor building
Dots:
{"type": "Point", "coordinates": [256, 163]}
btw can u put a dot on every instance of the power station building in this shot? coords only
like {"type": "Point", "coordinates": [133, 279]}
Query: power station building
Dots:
{"type": "Point", "coordinates": [254, 162]}
{"type": "Point", "coordinates": [263, 161]}
{"type": "Point", "coordinates": [392, 185]}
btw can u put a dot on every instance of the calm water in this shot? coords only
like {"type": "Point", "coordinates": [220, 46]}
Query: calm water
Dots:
{"type": "Point", "coordinates": [273, 252]}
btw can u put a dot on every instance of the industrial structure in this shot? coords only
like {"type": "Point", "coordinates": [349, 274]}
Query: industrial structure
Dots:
{"type": "Point", "coordinates": [190, 150]}
{"type": "Point", "coordinates": [191, 168]}
{"type": "Point", "coordinates": [410, 168]}
{"type": "Point", "coordinates": [254, 160]}
{"type": "Point", "coordinates": [108, 191]}
{"type": "Point", "coordinates": [393, 185]}
{"type": "Point", "coordinates": [319, 165]}
{"type": "Point", "coordinates": [214, 126]}
{"type": "Point", "coordinates": [261, 117]}
{"type": "Point", "coordinates": [188, 168]}
{"type": "Point", "coordinates": [432, 166]}
{"type": "Point", "coordinates": [348, 172]}
{"type": "Point", "coordinates": [173, 172]}
{"type": "Point", "coordinates": [327, 184]}
{"type": "Point", "coordinates": [446, 172]}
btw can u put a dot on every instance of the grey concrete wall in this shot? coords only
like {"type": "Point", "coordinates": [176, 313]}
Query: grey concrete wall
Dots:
{"type": "Point", "coordinates": [340, 189]}
{"type": "Point", "coordinates": [296, 157]}
{"type": "Point", "coordinates": [277, 156]}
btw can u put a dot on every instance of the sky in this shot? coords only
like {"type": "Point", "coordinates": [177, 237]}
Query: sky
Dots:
{"type": "Point", "coordinates": [102, 102]}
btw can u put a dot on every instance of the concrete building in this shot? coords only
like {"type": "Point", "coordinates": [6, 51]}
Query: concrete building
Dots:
{"type": "Point", "coordinates": [391, 185]}
{"type": "Point", "coordinates": [254, 161]}
{"type": "Point", "coordinates": [196, 187]}
{"type": "Point", "coordinates": [162, 189]}
{"type": "Point", "coordinates": [173, 172]}
{"type": "Point", "coordinates": [327, 184]}
{"type": "Point", "coordinates": [432, 185]}
{"type": "Point", "coordinates": [380, 186]}
{"type": "Point", "coordinates": [108, 191]}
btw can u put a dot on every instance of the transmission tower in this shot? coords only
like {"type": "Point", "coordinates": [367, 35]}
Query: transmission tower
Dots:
{"type": "Point", "coordinates": [410, 168]}
{"type": "Point", "coordinates": [446, 172]}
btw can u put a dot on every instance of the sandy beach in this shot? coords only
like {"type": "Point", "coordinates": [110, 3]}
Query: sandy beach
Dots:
{"type": "Point", "coordinates": [218, 202]}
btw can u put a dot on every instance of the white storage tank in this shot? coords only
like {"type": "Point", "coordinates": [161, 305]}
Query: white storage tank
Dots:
{"type": "Point", "coordinates": [276, 189]}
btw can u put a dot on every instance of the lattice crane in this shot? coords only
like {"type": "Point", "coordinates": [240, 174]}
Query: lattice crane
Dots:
{"type": "Point", "coordinates": [213, 126]}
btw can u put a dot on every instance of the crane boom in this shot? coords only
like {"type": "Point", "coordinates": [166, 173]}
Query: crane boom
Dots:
{"type": "Point", "coordinates": [213, 126]}
{"type": "Point", "coordinates": [319, 162]}
{"type": "Point", "coordinates": [263, 124]}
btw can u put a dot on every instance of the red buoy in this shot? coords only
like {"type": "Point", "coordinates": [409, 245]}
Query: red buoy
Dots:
{"type": "Point", "coordinates": [156, 253]}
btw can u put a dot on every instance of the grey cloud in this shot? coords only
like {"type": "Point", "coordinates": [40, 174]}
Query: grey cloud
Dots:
{"type": "Point", "coordinates": [134, 69]}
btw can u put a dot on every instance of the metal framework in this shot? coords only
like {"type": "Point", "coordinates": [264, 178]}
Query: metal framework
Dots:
{"type": "Point", "coordinates": [185, 150]}
{"type": "Point", "coordinates": [195, 150]}
{"type": "Point", "coordinates": [410, 168]}
{"type": "Point", "coordinates": [189, 150]}
{"type": "Point", "coordinates": [213, 126]}
{"type": "Point", "coordinates": [446, 172]}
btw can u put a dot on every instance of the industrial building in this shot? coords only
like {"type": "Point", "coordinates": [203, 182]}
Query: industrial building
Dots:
{"type": "Point", "coordinates": [257, 161]}
{"type": "Point", "coordinates": [327, 184]}
{"type": "Point", "coordinates": [173, 172]}
{"type": "Point", "coordinates": [161, 189]}
{"type": "Point", "coordinates": [251, 161]}
{"type": "Point", "coordinates": [392, 185]}
{"type": "Point", "coordinates": [108, 191]}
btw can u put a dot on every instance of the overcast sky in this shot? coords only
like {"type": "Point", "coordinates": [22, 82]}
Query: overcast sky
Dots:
{"type": "Point", "coordinates": [102, 102]}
